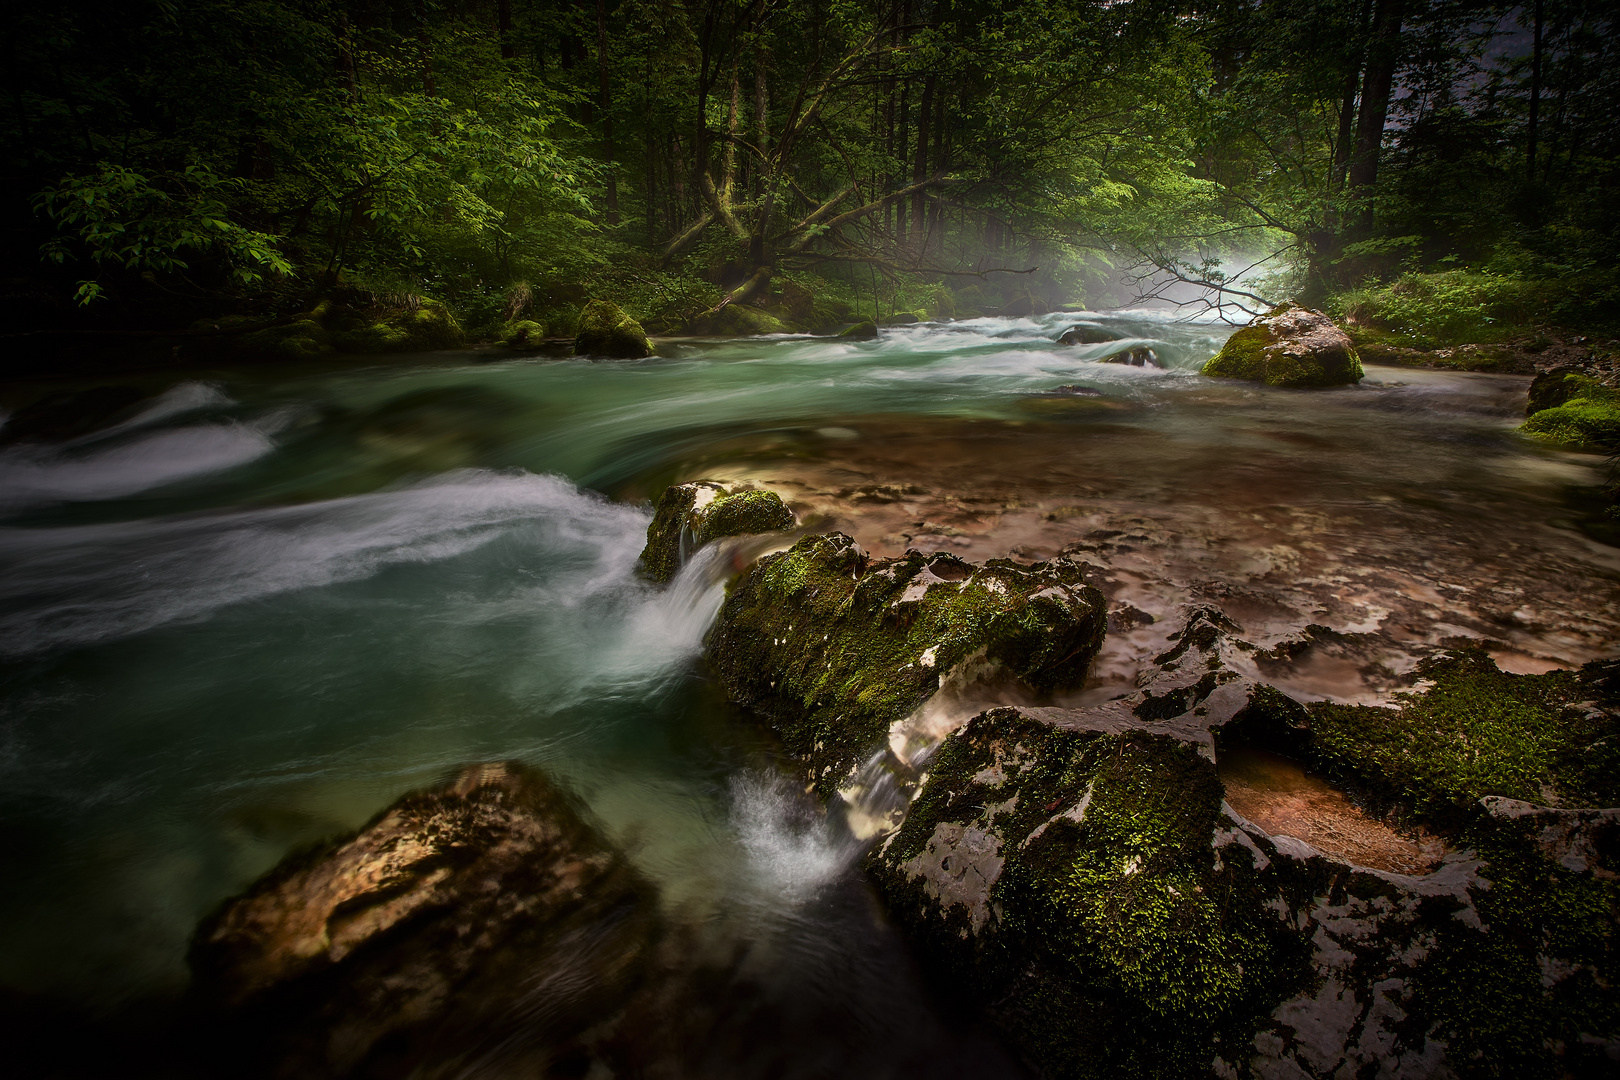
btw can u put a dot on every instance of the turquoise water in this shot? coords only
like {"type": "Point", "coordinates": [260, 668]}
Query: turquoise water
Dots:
{"type": "Point", "coordinates": [270, 601]}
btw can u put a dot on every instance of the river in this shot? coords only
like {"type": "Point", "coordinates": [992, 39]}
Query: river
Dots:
{"type": "Point", "coordinates": [268, 601]}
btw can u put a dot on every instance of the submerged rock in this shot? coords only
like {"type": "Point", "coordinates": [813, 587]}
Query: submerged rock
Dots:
{"type": "Point", "coordinates": [1086, 334]}
{"type": "Point", "coordinates": [834, 649]}
{"type": "Point", "coordinates": [605, 330]}
{"type": "Point", "coordinates": [1078, 872]}
{"type": "Point", "coordinates": [482, 919]}
{"type": "Point", "coordinates": [1141, 356]}
{"type": "Point", "coordinates": [691, 515]}
{"type": "Point", "coordinates": [1288, 346]}
{"type": "Point", "coordinates": [67, 414]}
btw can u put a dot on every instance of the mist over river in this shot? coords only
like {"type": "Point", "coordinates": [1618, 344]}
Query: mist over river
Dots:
{"type": "Point", "coordinates": [266, 602]}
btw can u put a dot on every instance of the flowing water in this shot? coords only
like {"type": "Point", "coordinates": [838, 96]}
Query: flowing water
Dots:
{"type": "Point", "coordinates": [266, 602]}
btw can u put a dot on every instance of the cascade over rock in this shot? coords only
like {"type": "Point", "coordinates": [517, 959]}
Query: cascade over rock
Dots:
{"type": "Point", "coordinates": [462, 916]}
{"type": "Point", "coordinates": [1288, 346]}
{"type": "Point", "coordinates": [834, 649]}
{"type": "Point", "coordinates": [691, 515]}
{"type": "Point", "coordinates": [605, 330]}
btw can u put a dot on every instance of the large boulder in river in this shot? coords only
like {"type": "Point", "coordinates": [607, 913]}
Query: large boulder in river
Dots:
{"type": "Point", "coordinates": [835, 649]}
{"type": "Point", "coordinates": [1081, 873]}
{"type": "Point", "coordinates": [605, 330]}
{"type": "Point", "coordinates": [1086, 334]}
{"type": "Point", "coordinates": [484, 919]}
{"type": "Point", "coordinates": [1288, 346]}
{"type": "Point", "coordinates": [693, 514]}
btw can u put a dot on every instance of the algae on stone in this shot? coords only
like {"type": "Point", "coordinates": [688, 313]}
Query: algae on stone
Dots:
{"type": "Point", "coordinates": [605, 330]}
{"type": "Point", "coordinates": [1478, 731]}
{"type": "Point", "coordinates": [1574, 411]}
{"type": "Point", "coordinates": [833, 648]}
{"type": "Point", "coordinates": [1288, 346]}
{"type": "Point", "coordinates": [691, 515]}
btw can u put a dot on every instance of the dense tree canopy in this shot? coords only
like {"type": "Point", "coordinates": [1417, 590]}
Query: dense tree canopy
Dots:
{"type": "Point", "coordinates": [167, 156]}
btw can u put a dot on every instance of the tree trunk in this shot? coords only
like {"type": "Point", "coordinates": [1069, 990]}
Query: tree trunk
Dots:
{"type": "Point", "coordinates": [1535, 93]}
{"type": "Point", "coordinates": [425, 45]}
{"type": "Point", "coordinates": [919, 170]}
{"type": "Point", "coordinates": [607, 113]}
{"type": "Point", "coordinates": [503, 23]}
{"type": "Point", "coordinates": [1383, 53]}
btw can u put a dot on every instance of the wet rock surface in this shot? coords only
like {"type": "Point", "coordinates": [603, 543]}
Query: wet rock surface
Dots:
{"type": "Point", "coordinates": [835, 649]}
{"type": "Point", "coordinates": [696, 513]}
{"type": "Point", "coordinates": [1288, 346]}
{"type": "Point", "coordinates": [483, 921]}
{"type": "Point", "coordinates": [1081, 870]}
{"type": "Point", "coordinates": [605, 330]}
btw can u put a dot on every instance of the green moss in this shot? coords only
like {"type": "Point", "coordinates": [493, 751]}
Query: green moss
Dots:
{"type": "Point", "coordinates": [680, 525]}
{"type": "Point", "coordinates": [1120, 947]}
{"type": "Point", "coordinates": [605, 330]}
{"type": "Point", "coordinates": [861, 331]}
{"type": "Point", "coordinates": [428, 326]}
{"type": "Point", "coordinates": [1257, 354]}
{"type": "Point", "coordinates": [737, 320]}
{"type": "Point", "coordinates": [833, 649]}
{"type": "Point", "coordinates": [305, 339]}
{"type": "Point", "coordinates": [1477, 731]}
{"type": "Point", "coordinates": [523, 332]}
{"type": "Point", "coordinates": [1574, 411]}
{"type": "Point", "coordinates": [1541, 972]}
{"type": "Point", "coordinates": [943, 304]}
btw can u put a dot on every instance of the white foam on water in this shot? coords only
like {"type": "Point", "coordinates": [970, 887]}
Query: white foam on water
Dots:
{"type": "Point", "coordinates": [792, 851]}
{"type": "Point", "coordinates": [63, 587]}
{"type": "Point", "coordinates": [177, 400]}
{"type": "Point", "coordinates": [34, 475]}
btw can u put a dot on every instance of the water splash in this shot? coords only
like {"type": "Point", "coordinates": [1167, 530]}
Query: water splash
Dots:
{"type": "Point", "coordinates": [793, 850]}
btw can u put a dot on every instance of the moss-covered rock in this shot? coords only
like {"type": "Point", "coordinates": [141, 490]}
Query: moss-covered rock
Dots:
{"type": "Point", "coordinates": [605, 330]}
{"type": "Point", "coordinates": [1140, 356]}
{"type": "Point", "coordinates": [1478, 731]}
{"type": "Point", "coordinates": [303, 339]}
{"type": "Point", "coordinates": [1574, 411]}
{"type": "Point", "coordinates": [423, 326]}
{"type": "Point", "coordinates": [1288, 346]}
{"type": "Point", "coordinates": [691, 515]}
{"type": "Point", "coordinates": [522, 333]}
{"type": "Point", "coordinates": [736, 320]}
{"type": "Point", "coordinates": [865, 330]}
{"type": "Point", "coordinates": [1067, 877]}
{"type": "Point", "coordinates": [834, 649]}
{"type": "Point", "coordinates": [1077, 872]}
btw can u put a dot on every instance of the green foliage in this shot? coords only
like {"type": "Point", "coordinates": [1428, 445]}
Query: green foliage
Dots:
{"type": "Point", "coordinates": [154, 224]}
{"type": "Point", "coordinates": [1454, 307]}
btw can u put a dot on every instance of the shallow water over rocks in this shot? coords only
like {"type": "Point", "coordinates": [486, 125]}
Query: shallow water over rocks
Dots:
{"type": "Point", "coordinates": [266, 604]}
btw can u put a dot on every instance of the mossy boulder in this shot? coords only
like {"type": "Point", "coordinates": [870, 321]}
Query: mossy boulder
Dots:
{"type": "Point", "coordinates": [1478, 731]}
{"type": "Point", "coordinates": [834, 649]}
{"type": "Point", "coordinates": [522, 333]}
{"type": "Point", "coordinates": [605, 330]}
{"type": "Point", "coordinates": [303, 339]}
{"type": "Point", "coordinates": [1574, 411]}
{"type": "Point", "coordinates": [865, 330]}
{"type": "Point", "coordinates": [905, 318]}
{"type": "Point", "coordinates": [1141, 356]}
{"type": "Point", "coordinates": [1077, 872]}
{"type": "Point", "coordinates": [691, 515]}
{"type": "Point", "coordinates": [1289, 346]}
{"type": "Point", "coordinates": [737, 320]}
{"type": "Point", "coordinates": [422, 326]}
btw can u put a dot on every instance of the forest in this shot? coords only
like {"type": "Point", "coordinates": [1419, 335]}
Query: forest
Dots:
{"type": "Point", "coordinates": [173, 160]}
{"type": "Point", "coordinates": [810, 540]}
